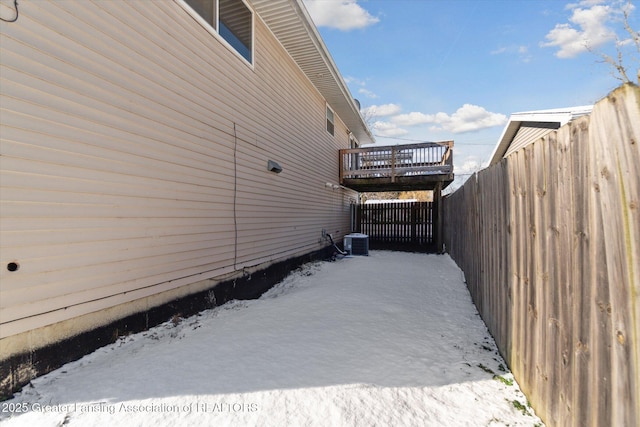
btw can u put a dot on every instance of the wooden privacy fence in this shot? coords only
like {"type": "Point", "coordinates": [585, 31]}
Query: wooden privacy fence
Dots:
{"type": "Point", "coordinates": [410, 225]}
{"type": "Point", "coordinates": [549, 241]}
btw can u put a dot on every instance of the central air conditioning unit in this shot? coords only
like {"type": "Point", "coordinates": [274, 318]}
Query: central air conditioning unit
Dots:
{"type": "Point", "coordinates": [356, 244]}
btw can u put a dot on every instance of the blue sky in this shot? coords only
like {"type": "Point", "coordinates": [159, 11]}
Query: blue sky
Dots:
{"type": "Point", "coordinates": [435, 70]}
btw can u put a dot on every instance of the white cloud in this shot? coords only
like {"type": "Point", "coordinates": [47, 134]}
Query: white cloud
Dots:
{"type": "Point", "coordinates": [413, 119]}
{"type": "Point", "coordinates": [388, 129]}
{"type": "Point", "coordinates": [587, 29]}
{"type": "Point", "coordinates": [469, 165]}
{"type": "Point", "coordinates": [586, 3]}
{"type": "Point", "coordinates": [467, 118]}
{"type": "Point", "coordinates": [341, 14]}
{"type": "Point", "coordinates": [366, 92]}
{"type": "Point", "coordinates": [361, 87]}
{"type": "Point", "coordinates": [381, 110]}
{"type": "Point", "coordinates": [355, 81]}
{"type": "Point", "coordinates": [521, 51]}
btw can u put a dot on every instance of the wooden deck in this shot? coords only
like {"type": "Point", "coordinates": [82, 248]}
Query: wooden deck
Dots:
{"type": "Point", "coordinates": [397, 168]}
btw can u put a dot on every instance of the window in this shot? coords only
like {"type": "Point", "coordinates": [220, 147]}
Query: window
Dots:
{"type": "Point", "coordinates": [231, 19]}
{"type": "Point", "coordinates": [206, 9]}
{"type": "Point", "coordinates": [330, 121]}
{"type": "Point", "coordinates": [236, 26]}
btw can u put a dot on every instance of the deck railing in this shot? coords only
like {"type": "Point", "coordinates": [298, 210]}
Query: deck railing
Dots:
{"type": "Point", "coordinates": [428, 158]}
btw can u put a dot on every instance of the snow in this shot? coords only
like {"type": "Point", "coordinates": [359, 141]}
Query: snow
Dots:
{"type": "Point", "coordinates": [391, 339]}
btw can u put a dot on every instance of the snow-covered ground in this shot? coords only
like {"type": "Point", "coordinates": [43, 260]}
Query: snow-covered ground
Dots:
{"type": "Point", "coordinates": [391, 339]}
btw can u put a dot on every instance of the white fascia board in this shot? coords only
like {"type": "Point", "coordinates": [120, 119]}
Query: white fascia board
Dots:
{"type": "Point", "coordinates": [509, 132]}
{"type": "Point", "coordinates": [559, 115]}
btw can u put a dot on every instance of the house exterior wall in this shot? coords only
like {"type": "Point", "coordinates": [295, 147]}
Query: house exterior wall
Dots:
{"type": "Point", "coordinates": [134, 153]}
{"type": "Point", "coordinates": [528, 133]}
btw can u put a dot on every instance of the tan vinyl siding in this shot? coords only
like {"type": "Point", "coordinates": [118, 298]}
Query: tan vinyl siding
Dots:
{"type": "Point", "coordinates": [118, 148]}
{"type": "Point", "coordinates": [530, 132]}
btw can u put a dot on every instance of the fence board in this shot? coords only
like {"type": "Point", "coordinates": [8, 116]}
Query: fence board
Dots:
{"type": "Point", "coordinates": [549, 241]}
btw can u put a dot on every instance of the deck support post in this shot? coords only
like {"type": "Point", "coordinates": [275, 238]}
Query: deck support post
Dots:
{"type": "Point", "coordinates": [437, 198]}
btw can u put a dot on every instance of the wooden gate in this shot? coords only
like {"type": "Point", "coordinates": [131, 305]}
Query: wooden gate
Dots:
{"type": "Point", "coordinates": [399, 226]}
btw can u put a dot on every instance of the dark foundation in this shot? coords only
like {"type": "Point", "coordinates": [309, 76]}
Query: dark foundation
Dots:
{"type": "Point", "coordinates": [20, 369]}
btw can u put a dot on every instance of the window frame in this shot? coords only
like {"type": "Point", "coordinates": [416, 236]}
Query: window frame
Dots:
{"type": "Point", "coordinates": [215, 30]}
{"type": "Point", "coordinates": [328, 109]}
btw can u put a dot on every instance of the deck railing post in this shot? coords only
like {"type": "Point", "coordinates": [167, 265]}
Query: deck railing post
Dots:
{"type": "Point", "coordinates": [393, 164]}
{"type": "Point", "coordinates": [437, 229]}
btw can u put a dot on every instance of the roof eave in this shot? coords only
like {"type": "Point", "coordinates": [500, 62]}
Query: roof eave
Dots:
{"type": "Point", "coordinates": [507, 136]}
{"type": "Point", "coordinates": [290, 22]}
{"type": "Point", "coordinates": [561, 116]}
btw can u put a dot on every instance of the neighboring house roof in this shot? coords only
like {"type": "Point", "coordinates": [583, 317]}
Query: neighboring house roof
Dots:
{"type": "Point", "coordinates": [291, 24]}
{"type": "Point", "coordinates": [527, 127]}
